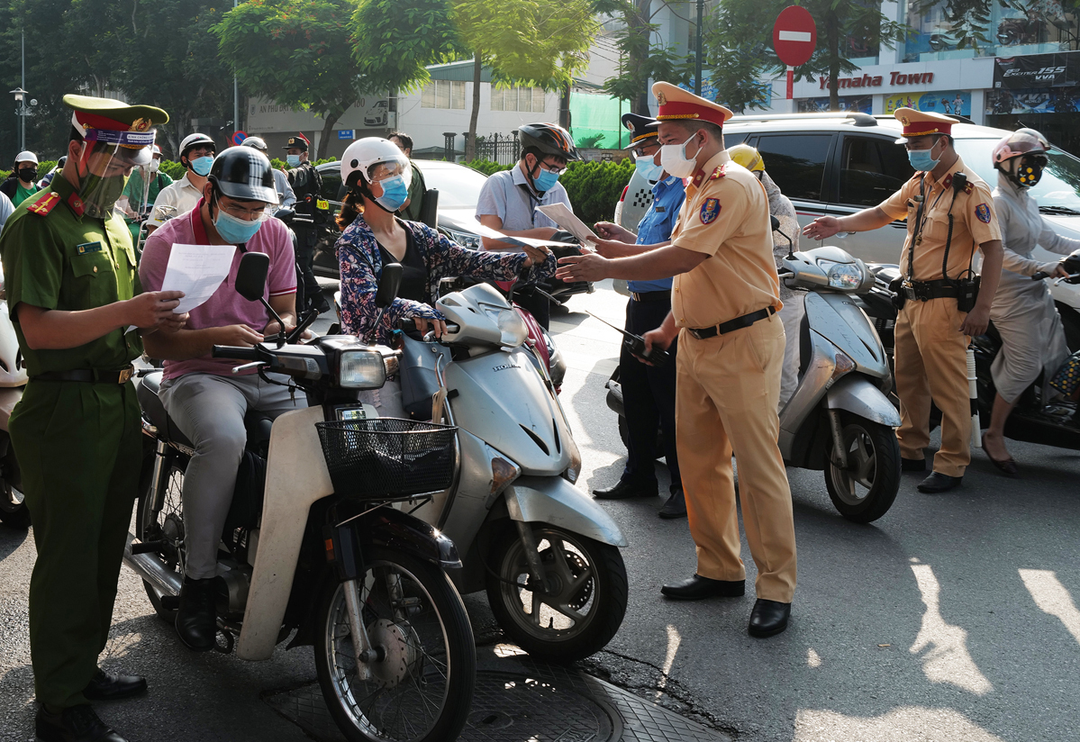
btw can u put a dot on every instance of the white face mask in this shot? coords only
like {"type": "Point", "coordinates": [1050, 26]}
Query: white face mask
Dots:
{"type": "Point", "coordinates": [674, 160]}
{"type": "Point", "coordinates": [154, 165]}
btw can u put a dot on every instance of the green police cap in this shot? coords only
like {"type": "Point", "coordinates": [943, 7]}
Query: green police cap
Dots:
{"type": "Point", "coordinates": [112, 122]}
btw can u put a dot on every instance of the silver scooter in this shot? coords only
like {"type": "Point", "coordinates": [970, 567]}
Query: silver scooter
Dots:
{"type": "Point", "coordinates": [546, 553]}
{"type": "Point", "coordinates": [840, 418]}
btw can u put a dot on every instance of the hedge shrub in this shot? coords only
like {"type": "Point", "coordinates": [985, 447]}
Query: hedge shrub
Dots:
{"type": "Point", "coordinates": [593, 187]}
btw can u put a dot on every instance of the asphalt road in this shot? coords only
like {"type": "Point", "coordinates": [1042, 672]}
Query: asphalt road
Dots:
{"type": "Point", "coordinates": [954, 617]}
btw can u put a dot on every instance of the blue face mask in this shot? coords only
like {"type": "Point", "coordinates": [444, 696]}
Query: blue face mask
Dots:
{"type": "Point", "coordinates": [395, 193]}
{"type": "Point", "coordinates": [648, 169]}
{"type": "Point", "coordinates": [293, 160]}
{"type": "Point", "coordinates": [201, 165]}
{"type": "Point", "coordinates": [233, 230]}
{"type": "Point", "coordinates": [921, 159]}
{"type": "Point", "coordinates": [546, 180]}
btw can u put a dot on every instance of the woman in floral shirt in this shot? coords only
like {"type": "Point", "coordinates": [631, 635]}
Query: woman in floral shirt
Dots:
{"type": "Point", "coordinates": [377, 175]}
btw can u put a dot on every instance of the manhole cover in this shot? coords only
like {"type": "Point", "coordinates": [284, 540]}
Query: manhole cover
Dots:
{"type": "Point", "coordinates": [510, 706]}
{"type": "Point", "coordinates": [525, 700]}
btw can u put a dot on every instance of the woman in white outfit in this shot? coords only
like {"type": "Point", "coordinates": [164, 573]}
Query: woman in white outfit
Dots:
{"type": "Point", "coordinates": [1033, 338]}
{"type": "Point", "coordinates": [792, 312]}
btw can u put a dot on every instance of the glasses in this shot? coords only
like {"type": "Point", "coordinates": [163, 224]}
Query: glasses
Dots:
{"type": "Point", "coordinates": [646, 149]}
{"type": "Point", "coordinates": [255, 214]}
{"type": "Point", "coordinates": [553, 168]}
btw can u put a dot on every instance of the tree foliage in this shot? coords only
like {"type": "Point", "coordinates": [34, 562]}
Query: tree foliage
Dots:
{"type": "Point", "coordinates": [149, 52]}
{"type": "Point", "coordinates": [295, 52]}
{"type": "Point", "coordinates": [969, 21]}
{"type": "Point", "coordinates": [394, 40]}
{"type": "Point", "coordinates": [641, 60]}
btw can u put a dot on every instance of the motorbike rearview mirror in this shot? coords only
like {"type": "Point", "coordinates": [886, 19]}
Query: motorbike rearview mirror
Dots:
{"type": "Point", "coordinates": [776, 228]}
{"type": "Point", "coordinates": [251, 283]}
{"type": "Point", "coordinates": [251, 275]}
{"type": "Point", "coordinates": [389, 284]}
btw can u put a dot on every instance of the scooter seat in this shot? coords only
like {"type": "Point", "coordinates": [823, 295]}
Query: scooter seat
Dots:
{"type": "Point", "coordinates": [149, 388]}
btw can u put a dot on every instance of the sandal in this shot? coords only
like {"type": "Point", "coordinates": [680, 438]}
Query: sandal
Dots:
{"type": "Point", "coordinates": [1007, 466]}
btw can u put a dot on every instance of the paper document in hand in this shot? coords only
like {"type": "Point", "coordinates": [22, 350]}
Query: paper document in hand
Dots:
{"type": "Point", "coordinates": [494, 234]}
{"type": "Point", "coordinates": [561, 215]}
{"type": "Point", "coordinates": [197, 270]}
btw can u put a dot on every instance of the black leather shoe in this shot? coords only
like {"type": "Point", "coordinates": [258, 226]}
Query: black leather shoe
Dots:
{"type": "Point", "coordinates": [768, 618]}
{"type": "Point", "coordinates": [938, 482]}
{"type": "Point", "coordinates": [628, 488]}
{"type": "Point", "coordinates": [675, 507]}
{"type": "Point", "coordinates": [75, 724]}
{"type": "Point", "coordinates": [108, 686]}
{"type": "Point", "coordinates": [698, 588]}
{"type": "Point", "coordinates": [196, 620]}
{"type": "Point", "coordinates": [912, 464]}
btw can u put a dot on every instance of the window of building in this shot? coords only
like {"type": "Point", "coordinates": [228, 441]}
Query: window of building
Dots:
{"type": "Point", "coordinates": [448, 94]}
{"type": "Point", "coordinates": [515, 98]}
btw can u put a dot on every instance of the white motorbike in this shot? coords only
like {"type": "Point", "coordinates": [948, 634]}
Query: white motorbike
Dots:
{"type": "Point", "coordinates": [314, 542]}
{"type": "Point", "coordinates": [546, 553]}
{"type": "Point", "coordinates": [840, 418]}
{"type": "Point", "coordinates": [13, 510]}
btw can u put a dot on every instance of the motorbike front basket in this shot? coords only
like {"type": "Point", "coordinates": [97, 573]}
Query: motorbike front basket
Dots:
{"type": "Point", "coordinates": [387, 459]}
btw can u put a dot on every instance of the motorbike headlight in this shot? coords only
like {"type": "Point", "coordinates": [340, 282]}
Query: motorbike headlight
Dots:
{"type": "Point", "coordinates": [361, 369]}
{"type": "Point", "coordinates": [510, 324]}
{"type": "Point", "coordinates": [465, 239]}
{"type": "Point", "coordinates": [845, 276]}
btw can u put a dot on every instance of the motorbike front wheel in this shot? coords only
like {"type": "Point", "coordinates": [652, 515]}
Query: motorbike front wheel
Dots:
{"type": "Point", "coordinates": [13, 511]}
{"type": "Point", "coordinates": [866, 489]}
{"type": "Point", "coordinates": [583, 605]}
{"type": "Point", "coordinates": [420, 685]}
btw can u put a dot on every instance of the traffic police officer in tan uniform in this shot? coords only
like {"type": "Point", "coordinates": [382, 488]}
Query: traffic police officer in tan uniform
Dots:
{"type": "Point", "coordinates": [731, 350]}
{"type": "Point", "coordinates": [950, 215]}
{"type": "Point", "coordinates": [73, 292]}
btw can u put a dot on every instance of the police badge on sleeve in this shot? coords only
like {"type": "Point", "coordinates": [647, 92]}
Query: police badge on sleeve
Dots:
{"type": "Point", "coordinates": [710, 210]}
{"type": "Point", "coordinates": [982, 213]}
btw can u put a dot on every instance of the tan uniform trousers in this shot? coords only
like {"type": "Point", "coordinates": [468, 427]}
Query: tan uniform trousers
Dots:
{"type": "Point", "coordinates": [727, 391]}
{"type": "Point", "coordinates": [931, 363]}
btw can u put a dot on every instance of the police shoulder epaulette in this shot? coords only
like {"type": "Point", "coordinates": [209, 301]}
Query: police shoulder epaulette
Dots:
{"type": "Point", "coordinates": [45, 203]}
{"type": "Point", "coordinates": [717, 173]}
{"type": "Point", "coordinates": [969, 187]}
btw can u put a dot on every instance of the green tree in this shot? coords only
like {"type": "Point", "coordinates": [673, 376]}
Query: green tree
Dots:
{"type": "Point", "coordinates": [395, 40]}
{"type": "Point", "coordinates": [295, 52]}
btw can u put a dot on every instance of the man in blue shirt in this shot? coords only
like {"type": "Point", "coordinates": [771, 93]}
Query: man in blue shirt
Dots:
{"type": "Point", "coordinates": [648, 391]}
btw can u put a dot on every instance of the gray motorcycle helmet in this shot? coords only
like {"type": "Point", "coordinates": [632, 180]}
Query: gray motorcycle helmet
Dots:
{"type": "Point", "coordinates": [244, 173]}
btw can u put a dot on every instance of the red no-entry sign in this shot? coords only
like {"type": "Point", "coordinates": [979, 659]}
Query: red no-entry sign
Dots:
{"type": "Point", "coordinates": [794, 36]}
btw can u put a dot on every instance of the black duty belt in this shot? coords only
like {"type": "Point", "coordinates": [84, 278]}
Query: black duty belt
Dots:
{"type": "Point", "coordinates": [651, 296]}
{"type": "Point", "coordinates": [927, 290]}
{"type": "Point", "coordinates": [731, 325]}
{"type": "Point", "coordinates": [91, 375]}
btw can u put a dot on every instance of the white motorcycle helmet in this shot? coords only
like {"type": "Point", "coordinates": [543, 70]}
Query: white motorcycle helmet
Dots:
{"type": "Point", "coordinates": [363, 157]}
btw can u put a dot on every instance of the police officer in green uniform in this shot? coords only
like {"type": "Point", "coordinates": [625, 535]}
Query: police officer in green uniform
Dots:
{"type": "Point", "coordinates": [73, 292]}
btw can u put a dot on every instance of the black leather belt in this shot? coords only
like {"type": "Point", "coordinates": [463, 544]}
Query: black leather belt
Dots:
{"type": "Point", "coordinates": [651, 296]}
{"type": "Point", "coordinates": [92, 375]}
{"type": "Point", "coordinates": [927, 290]}
{"type": "Point", "coordinates": [731, 325]}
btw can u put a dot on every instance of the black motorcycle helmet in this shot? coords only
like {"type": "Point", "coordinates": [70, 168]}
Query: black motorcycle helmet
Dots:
{"type": "Point", "coordinates": [243, 173]}
{"type": "Point", "coordinates": [547, 139]}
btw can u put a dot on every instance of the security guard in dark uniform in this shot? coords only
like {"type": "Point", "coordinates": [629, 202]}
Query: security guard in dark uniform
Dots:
{"type": "Point", "coordinates": [73, 292]}
{"type": "Point", "coordinates": [307, 185]}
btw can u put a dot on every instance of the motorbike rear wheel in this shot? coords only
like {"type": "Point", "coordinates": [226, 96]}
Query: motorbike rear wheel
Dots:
{"type": "Point", "coordinates": [164, 525]}
{"type": "Point", "coordinates": [585, 606]}
{"type": "Point", "coordinates": [421, 687]}
{"type": "Point", "coordinates": [867, 488]}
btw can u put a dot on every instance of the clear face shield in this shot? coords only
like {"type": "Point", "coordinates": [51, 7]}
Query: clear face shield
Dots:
{"type": "Point", "coordinates": [104, 164]}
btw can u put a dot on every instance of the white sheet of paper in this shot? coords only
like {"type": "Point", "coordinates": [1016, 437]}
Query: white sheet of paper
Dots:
{"type": "Point", "coordinates": [197, 270]}
{"type": "Point", "coordinates": [561, 215]}
{"type": "Point", "coordinates": [494, 234]}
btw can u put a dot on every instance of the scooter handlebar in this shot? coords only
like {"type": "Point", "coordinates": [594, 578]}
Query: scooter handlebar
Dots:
{"type": "Point", "coordinates": [236, 353]}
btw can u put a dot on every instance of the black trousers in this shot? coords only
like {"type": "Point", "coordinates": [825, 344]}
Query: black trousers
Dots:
{"type": "Point", "coordinates": [306, 239]}
{"type": "Point", "coordinates": [648, 398]}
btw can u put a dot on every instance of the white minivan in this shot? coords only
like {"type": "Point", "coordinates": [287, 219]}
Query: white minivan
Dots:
{"type": "Point", "coordinates": [838, 164]}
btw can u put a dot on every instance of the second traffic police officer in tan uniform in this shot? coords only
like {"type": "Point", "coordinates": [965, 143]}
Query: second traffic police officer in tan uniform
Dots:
{"type": "Point", "coordinates": [731, 350]}
{"type": "Point", "coordinates": [950, 215]}
{"type": "Point", "coordinates": [73, 293]}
